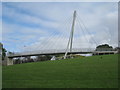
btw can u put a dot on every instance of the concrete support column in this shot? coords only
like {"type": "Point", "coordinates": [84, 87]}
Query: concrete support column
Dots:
{"type": "Point", "coordinates": [9, 61]}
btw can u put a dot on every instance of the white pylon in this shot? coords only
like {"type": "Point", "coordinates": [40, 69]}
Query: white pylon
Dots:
{"type": "Point", "coordinates": [71, 36]}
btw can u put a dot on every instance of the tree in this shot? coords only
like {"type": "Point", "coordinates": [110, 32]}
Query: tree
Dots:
{"type": "Point", "coordinates": [10, 53]}
{"type": "Point", "coordinates": [104, 47]}
{"type": "Point", "coordinates": [2, 51]}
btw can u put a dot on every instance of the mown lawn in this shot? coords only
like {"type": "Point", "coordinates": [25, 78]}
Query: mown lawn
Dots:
{"type": "Point", "coordinates": [88, 72]}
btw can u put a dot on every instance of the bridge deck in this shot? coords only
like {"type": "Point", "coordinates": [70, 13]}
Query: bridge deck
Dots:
{"type": "Point", "coordinates": [24, 55]}
{"type": "Point", "coordinates": [55, 52]}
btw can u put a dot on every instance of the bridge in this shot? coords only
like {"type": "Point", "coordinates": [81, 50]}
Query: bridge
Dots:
{"type": "Point", "coordinates": [68, 50]}
{"type": "Point", "coordinates": [56, 52]}
{"type": "Point", "coordinates": [51, 52]}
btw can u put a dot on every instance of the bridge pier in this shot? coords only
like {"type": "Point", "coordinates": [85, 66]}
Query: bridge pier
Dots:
{"type": "Point", "coordinates": [9, 61]}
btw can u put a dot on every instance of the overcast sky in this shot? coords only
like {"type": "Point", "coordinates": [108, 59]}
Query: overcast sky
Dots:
{"type": "Point", "coordinates": [47, 25]}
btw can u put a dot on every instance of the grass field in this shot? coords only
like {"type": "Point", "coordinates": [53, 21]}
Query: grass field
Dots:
{"type": "Point", "coordinates": [86, 72]}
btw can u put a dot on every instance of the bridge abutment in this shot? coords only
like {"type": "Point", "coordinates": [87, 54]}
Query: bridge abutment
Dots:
{"type": "Point", "coordinates": [9, 61]}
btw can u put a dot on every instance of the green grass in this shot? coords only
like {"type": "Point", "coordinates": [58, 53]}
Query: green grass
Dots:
{"type": "Point", "coordinates": [88, 72]}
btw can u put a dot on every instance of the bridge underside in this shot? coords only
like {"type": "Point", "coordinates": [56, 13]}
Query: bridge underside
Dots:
{"type": "Point", "coordinates": [13, 56]}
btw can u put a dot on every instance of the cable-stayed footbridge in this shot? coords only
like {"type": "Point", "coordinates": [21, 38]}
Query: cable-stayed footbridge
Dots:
{"type": "Point", "coordinates": [70, 48]}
